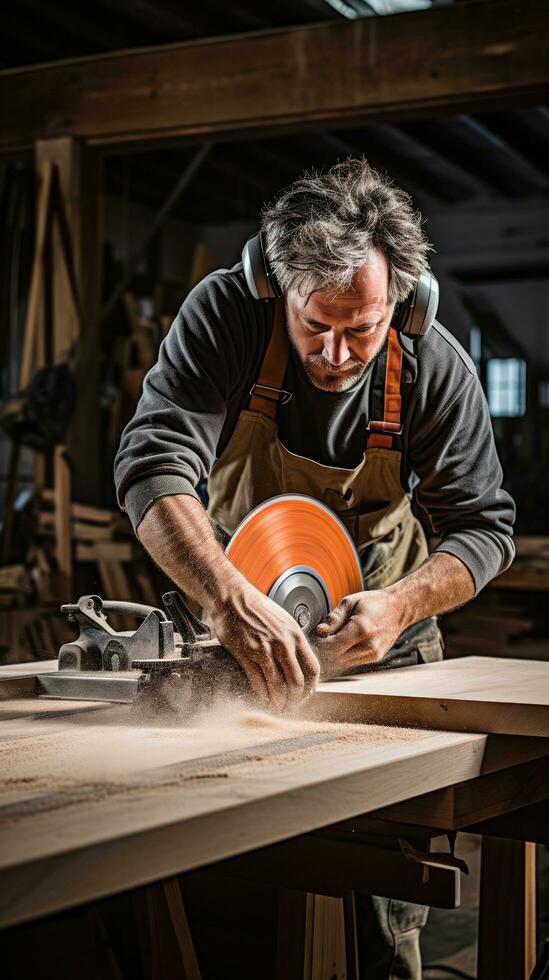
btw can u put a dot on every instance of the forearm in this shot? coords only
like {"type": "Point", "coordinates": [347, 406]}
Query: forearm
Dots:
{"type": "Point", "coordinates": [441, 584]}
{"type": "Point", "coordinates": [178, 535]}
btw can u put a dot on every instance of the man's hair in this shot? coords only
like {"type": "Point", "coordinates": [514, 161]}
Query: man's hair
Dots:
{"type": "Point", "coordinates": [321, 229]}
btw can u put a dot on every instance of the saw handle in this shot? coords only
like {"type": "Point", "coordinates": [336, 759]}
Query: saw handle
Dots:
{"type": "Point", "coordinates": [132, 608]}
{"type": "Point", "coordinates": [93, 604]}
{"type": "Point", "coordinates": [189, 626]}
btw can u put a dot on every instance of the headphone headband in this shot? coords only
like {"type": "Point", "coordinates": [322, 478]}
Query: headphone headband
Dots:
{"type": "Point", "coordinates": [413, 317]}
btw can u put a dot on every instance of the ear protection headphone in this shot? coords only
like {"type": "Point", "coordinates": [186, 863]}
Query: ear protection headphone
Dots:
{"type": "Point", "coordinates": [413, 317]}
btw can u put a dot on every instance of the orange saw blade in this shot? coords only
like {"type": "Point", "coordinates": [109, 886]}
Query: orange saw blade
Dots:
{"type": "Point", "coordinates": [296, 534]}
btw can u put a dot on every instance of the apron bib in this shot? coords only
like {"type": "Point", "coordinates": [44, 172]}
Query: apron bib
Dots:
{"type": "Point", "coordinates": [369, 499]}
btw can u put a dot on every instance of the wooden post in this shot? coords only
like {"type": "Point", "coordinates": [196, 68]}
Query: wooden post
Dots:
{"type": "Point", "coordinates": [507, 927]}
{"type": "Point", "coordinates": [312, 938]}
{"type": "Point", "coordinates": [78, 170]}
{"type": "Point", "coordinates": [63, 155]}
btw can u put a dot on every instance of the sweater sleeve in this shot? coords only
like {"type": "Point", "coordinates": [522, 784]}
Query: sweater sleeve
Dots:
{"type": "Point", "coordinates": [453, 453]}
{"type": "Point", "coordinates": [188, 398]}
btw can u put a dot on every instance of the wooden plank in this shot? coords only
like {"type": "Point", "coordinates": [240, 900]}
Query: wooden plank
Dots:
{"type": "Point", "coordinates": [334, 867]}
{"type": "Point", "coordinates": [108, 551]}
{"type": "Point", "coordinates": [507, 924]}
{"type": "Point", "coordinates": [13, 578]}
{"type": "Point", "coordinates": [529, 823]}
{"type": "Point", "coordinates": [178, 916]}
{"type": "Point", "coordinates": [475, 694]}
{"type": "Point", "coordinates": [456, 807]}
{"type": "Point", "coordinates": [328, 958]}
{"type": "Point", "coordinates": [103, 835]}
{"type": "Point", "coordinates": [82, 512]}
{"type": "Point", "coordinates": [80, 530]}
{"type": "Point", "coordinates": [463, 57]}
{"type": "Point", "coordinates": [63, 534]}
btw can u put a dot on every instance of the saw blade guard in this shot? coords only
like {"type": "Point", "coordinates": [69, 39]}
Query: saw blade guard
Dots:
{"type": "Point", "coordinates": [295, 550]}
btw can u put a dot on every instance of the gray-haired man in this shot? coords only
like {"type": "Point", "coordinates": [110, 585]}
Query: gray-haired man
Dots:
{"type": "Point", "coordinates": [345, 248]}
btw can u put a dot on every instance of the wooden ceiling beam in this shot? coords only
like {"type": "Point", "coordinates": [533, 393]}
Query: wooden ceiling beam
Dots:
{"type": "Point", "coordinates": [462, 57]}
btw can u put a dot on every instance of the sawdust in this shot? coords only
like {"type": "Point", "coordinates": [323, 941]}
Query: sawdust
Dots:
{"type": "Point", "coordinates": [80, 758]}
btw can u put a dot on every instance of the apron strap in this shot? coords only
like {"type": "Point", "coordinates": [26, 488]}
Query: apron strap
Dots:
{"type": "Point", "coordinates": [381, 432]}
{"type": "Point", "coordinates": [267, 392]}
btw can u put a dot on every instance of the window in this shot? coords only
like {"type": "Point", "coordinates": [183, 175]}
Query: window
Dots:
{"type": "Point", "coordinates": [506, 386]}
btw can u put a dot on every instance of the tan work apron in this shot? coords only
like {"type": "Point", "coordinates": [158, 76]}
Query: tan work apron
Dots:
{"type": "Point", "coordinates": [369, 499]}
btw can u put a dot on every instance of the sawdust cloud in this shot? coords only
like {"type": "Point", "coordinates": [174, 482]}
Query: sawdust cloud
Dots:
{"type": "Point", "coordinates": [109, 746]}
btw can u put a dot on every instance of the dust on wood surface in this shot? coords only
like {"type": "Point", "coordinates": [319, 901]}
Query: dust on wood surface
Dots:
{"type": "Point", "coordinates": [110, 748]}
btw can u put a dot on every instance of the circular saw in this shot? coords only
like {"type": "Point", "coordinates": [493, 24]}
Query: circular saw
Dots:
{"type": "Point", "coordinates": [292, 548]}
{"type": "Point", "coordinates": [296, 551]}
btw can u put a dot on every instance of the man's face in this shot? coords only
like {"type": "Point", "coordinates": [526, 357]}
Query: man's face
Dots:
{"type": "Point", "coordinates": [337, 335]}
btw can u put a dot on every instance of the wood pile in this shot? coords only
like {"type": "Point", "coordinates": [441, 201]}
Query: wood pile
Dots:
{"type": "Point", "coordinates": [510, 618]}
{"type": "Point", "coordinates": [108, 561]}
{"type": "Point", "coordinates": [134, 353]}
{"type": "Point", "coordinates": [530, 569]}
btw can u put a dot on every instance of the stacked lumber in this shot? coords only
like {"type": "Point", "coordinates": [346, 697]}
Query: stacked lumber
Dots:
{"type": "Point", "coordinates": [530, 569]}
{"type": "Point", "coordinates": [135, 352]}
{"type": "Point", "coordinates": [499, 623]}
{"type": "Point", "coordinates": [34, 633]}
{"type": "Point", "coordinates": [108, 561]}
{"type": "Point", "coordinates": [15, 581]}
{"type": "Point", "coordinates": [104, 540]}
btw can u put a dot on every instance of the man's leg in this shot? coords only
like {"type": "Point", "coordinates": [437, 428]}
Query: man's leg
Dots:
{"type": "Point", "coordinates": [388, 930]}
{"type": "Point", "coordinates": [388, 934]}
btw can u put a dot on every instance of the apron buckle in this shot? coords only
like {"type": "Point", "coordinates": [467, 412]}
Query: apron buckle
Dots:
{"type": "Point", "coordinates": [391, 428]}
{"type": "Point", "coordinates": [277, 394]}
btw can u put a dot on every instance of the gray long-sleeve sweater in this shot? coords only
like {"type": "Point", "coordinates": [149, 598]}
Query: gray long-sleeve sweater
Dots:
{"type": "Point", "coordinates": [209, 361]}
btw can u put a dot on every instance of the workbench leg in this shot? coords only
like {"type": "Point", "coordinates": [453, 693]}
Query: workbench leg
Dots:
{"type": "Point", "coordinates": [312, 940]}
{"type": "Point", "coordinates": [507, 922]}
{"type": "Point", "coordinates": [172, 953]}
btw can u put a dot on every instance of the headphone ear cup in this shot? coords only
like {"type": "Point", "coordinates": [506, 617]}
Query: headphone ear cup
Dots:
{"type": "Point", "coordinates": [258, 274]}
{"type": "Point", "coordinates": [416, 315]}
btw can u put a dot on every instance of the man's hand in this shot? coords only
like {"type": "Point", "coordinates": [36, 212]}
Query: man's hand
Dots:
{"type": "Point", "coordinates": [265, 640]}
{"type": "Point", "coordinates": [269, 646]}
{"type": "Point", "coordinates": [360, 630]}
{"type": "Point", "coordinates": [364, 627]}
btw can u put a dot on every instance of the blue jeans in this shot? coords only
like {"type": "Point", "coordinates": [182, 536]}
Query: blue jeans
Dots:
{"type": "Point", "coordinates": [388, 934]}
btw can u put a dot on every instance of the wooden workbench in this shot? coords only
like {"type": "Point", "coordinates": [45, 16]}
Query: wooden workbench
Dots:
{"type": "Point", "coordinates": [92, 802]}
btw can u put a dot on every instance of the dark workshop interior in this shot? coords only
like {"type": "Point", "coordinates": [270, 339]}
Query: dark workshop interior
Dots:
{"type": "Point", "coordinates": [140, 142]}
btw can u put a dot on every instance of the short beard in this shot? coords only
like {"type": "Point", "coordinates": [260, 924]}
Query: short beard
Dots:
{"type": "Point", "coordinates": [340, 381]}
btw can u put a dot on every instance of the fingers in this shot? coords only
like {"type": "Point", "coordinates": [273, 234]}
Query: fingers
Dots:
{"type": "Point", "coordinates": [301, 671]}
{"type": "Point", "coordinates": [335, 620]}
{"type": "Point", "coordinates": [276, 689]}
{"type": "Point", "coordinates": [360, 655]}
{"type": "Point", "coordinates": [292, 673]}
{"type": "Point", "coordinates": [311, 668]}
{"type": "Point", "coordinates": [256, 679]}
{"type": "Point", "coordinates": [350, 634]}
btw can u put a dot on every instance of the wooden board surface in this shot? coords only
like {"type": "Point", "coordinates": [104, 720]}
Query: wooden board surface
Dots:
{"type": "Point", "coordinates": [474, 694]}
{"type": "Point", "coordinates": [94, 803]}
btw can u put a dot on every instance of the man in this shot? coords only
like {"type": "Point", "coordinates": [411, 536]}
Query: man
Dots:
{"type": "Point", "coordinates": [346, 250]}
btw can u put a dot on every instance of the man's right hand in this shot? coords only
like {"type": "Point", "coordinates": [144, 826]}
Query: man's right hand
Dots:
{"type": "Point", "coordinates": [269, 645]}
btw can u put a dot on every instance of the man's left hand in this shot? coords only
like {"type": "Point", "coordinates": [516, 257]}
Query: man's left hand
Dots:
{"type": "Point", "coordinates": [360, 630]}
